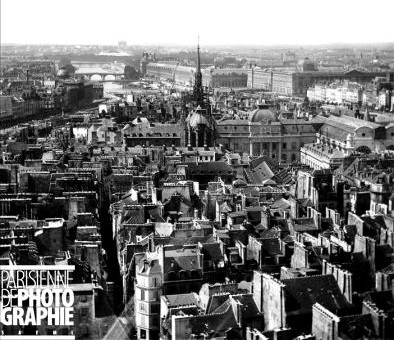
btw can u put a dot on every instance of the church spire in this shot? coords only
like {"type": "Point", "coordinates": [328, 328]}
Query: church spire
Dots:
{"type": "Point", "coordinates": [198, 92]}
{"type": "Point", "coordinates": [198, 55]}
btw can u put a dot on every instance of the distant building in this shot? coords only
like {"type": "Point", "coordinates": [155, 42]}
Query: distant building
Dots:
{"type": "Point", "coordinates": [184, 75]}
{"type": "Point", "coordinates": [296, 81]}
{"type": "Point", "coordinates": [339, 137]}
{"type": "Point", "coordinates": [339, 93]}
{"type": "Point", "coordinates": [265, 134]}
{"type": "Point", "coordinates": [122, 44]}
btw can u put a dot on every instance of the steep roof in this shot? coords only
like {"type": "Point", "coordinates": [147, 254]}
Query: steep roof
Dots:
{"type": "Point", "coordinates": [212, 250]}
{"type": "Point", "coordinates": [304, 292]}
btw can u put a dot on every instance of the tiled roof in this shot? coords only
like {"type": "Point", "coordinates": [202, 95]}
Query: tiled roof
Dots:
{"type": "Point", "coordinates": [306, 291]}
{"type": "Point", "coordinates": [281, 204]}
{"type": "Point", "coordinates": [181, 299]}
{"type": "Point", "coordinates": [271, 245]}
{"type": "Point", "coordinates": [208, 167]}
{"type": "Point", "coordinates": [304, 224]}
{"type": "Point", "coordinates": [356, 327]}
{"type": "Point", "coordinates": [186, 259]}
{"type": "Point", "coordinates": [215, 301]}
{"type": "Point", "coordinates": [273, 164]}
{"type": "Point", "coordinates": [213, 251]}
{"type": "Point", "coordinates": [249, 305]}
{"type": "Point", "coordinates": [383, 300]}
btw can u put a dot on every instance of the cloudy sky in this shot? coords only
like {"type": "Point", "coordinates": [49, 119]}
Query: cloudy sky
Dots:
{"type": "Point", "coordinates": [260, 22]}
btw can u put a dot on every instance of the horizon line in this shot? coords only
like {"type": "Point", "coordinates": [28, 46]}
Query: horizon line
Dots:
{"type": "Point", "coordinates": [208, 44]}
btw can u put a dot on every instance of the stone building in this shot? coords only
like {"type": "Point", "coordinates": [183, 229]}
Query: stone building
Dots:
{"type": "Point", "coordinates": [148, 290]}
{"type": "Point", "coordinates": [290, 302]}
{"type": "Point", "coordinates": [264, 134]}
{"type": "Point", "coordinates": [296, 81]}
{"type": "Point", "coordinates": [342, 136]}
{"type": "Point", "coordinates": [169, 270]}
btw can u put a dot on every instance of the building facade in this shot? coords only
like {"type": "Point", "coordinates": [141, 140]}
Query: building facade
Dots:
{"type": "Point", "coordinates": [339, 137]}
{"type": "Point", "coordinates": [295, 82]}
{"type": "Point", "coordinates": [281, 139]}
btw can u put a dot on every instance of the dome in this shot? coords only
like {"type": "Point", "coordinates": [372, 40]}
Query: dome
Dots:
{"type": "Point", "coordinates": [307, 65]}
{"type": "Point", "coordinates": [262, 115]}
{"type": "Point", "coordinates": [239, 183]}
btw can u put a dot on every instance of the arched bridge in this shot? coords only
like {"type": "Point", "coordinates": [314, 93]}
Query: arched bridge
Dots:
{"type": "Point", "coordinates": [107, 72]}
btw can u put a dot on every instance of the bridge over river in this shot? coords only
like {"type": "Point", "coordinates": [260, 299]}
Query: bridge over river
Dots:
{"type": "Point", "coordinates": [99, 71]}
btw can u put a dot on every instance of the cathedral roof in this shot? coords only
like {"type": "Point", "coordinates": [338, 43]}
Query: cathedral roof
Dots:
{"type": "Point", "coordinates": [197, 118]}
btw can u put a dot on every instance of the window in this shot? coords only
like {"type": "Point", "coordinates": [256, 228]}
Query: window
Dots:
{"type": "Point", "coordinates": [63, 331]}
{"type": "Point", "coordinates": [284, 145]}
{"type": "Point", "coordinates": [142, 307]}
{"type": "Point", "coordinates": [84, 331]}
{"type": "Point", "coordinates": [142, 334]}
{"type": "Point", "coordinates": [155, 309]}
{"type": "Point", "coordinates": [84, 312]}
{"type": "Point", "coordinates": [142, 294]}
{"type": "Point", "coordinates": [83, 298]}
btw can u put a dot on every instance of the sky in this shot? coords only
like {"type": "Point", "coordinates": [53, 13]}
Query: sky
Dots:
{"type": "Point", "coordinates": [217, 22]}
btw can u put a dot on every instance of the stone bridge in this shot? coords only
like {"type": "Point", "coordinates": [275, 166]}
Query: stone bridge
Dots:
{"type": "Point", "coordinates": [100, 71]}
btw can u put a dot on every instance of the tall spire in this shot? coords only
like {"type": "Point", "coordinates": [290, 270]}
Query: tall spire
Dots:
{"type": "Point", "coordinates": [198, 55]}
{"type": "Point", "coordinates": [198, 92]}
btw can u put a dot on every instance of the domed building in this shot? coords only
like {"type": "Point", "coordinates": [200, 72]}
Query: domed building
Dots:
{"type": "Point", "coordinates": [200, 128]}
{"type": "Point", "coordinates": [307, 65]}
{"type": "Point", "coordinates": [263, 115]}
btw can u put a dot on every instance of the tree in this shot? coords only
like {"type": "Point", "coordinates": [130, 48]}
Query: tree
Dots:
{"type": "Point", "coordinates": [130, 72]}
{"type": "Point", "coordinates": [65, 64]}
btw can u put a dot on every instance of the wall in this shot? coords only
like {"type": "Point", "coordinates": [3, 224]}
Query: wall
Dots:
{"type": "Point", "coordinates": [343, 278]}
{"type": "Point", "coordinates": [366, 246]}
{"type": "Point", "coordinates": [299, 258]}
{"type": "Point", "coordinates": [273, 301]}
{"type": "Point", "coordinates": [324, 323]}
{"type": "Point", "coordinates": [353, 219]}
